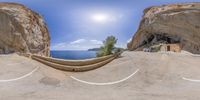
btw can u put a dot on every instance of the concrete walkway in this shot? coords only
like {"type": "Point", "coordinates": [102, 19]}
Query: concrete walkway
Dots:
{"type": "Point", "coordinates": [134, 76]}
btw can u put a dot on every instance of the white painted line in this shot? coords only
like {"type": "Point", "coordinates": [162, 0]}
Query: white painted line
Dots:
{"type": "Point", "coordinates": [192, 80]}
{"type": "Point", "coordinates": [108, 83]}
{"type": "Point", "coordinates": [24, 76]}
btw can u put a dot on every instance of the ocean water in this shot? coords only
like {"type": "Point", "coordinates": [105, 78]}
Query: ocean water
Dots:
{"type": "Point", "coordinates": [73, 55]}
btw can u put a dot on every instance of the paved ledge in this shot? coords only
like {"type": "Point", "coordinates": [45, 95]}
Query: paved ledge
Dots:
{"type": "Point", "coordinates": [161, 76]}
{"type": "Point", "coordinates": [74, 62]}
{"type": "Point", "coordinates": [75, 68]}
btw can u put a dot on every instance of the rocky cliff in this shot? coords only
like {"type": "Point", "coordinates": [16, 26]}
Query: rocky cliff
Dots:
{"type": "Point", "coordinates": [174, 23]}
{"type": "Point", "coordinates": [22, 30]}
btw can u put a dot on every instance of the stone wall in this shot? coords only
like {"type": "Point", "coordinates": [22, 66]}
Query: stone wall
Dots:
{"type": "Point", "coordinates": [171, 47]}
{"type": "Point", "coordinates": [74, 65]}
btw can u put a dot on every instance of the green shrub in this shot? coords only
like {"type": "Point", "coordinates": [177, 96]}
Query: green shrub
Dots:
{"type": "Point", "coordinates": [108, 46]}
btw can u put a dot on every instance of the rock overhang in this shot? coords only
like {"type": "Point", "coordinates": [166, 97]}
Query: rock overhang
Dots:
{"type": "Point", "coordinates": [179, 22]}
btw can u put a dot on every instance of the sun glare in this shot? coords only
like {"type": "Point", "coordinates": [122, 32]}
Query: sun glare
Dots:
{"type": "Point", "coordinates": [100, 18]}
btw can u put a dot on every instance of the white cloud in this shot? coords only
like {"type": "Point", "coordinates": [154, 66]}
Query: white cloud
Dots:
{"type": "Point", "coordinates": [78, 41]}
{"type": "Point", "coordinates": [79, 44]}
{"type": "Point", "coordinates": [96, 42]}
{"type": "Point", "coordinates": [129, 40]}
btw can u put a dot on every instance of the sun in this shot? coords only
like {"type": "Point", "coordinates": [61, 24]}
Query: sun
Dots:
{"type": "Point", "coordinates": [100, 18]}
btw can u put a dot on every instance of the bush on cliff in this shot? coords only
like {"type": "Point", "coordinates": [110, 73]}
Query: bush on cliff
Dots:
{"type": "Point", "coordinates": [108, 46]}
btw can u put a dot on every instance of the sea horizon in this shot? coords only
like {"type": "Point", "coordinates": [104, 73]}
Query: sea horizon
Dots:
{"type": "Point", "coordinates": [72, 54]}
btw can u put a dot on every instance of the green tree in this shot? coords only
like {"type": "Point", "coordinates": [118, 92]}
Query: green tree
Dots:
{"type": "Point", "coordinates": [108, 46]}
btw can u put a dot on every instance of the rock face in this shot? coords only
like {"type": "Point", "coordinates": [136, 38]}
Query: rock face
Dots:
{"type": "Point", "coordinates": [22, 30]}
{"type": "Point", "coordinates": [175, 23]}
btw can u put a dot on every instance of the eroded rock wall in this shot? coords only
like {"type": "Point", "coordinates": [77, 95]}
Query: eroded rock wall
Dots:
{"type": "Point", "coordinates": [176, 22]}
{"type": "Point", "coordinates": [22, 30]}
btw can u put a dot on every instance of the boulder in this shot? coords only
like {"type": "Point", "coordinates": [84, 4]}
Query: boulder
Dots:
{"type": "Point", "coordinates": [173, 23]}
{"type": "Point", "coordinates": [22, 30]}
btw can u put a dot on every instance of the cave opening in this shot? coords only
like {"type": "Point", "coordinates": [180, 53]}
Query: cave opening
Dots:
{"type": "Point", "coordinates": [154, 39]}
{"type": "Point", "coordinates": [161, 42]}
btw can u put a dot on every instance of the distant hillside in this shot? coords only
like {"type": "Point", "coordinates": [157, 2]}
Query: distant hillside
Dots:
{"type": "Point", "coordinates": [94, 49]}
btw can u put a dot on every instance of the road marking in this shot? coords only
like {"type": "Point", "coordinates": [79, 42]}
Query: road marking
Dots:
{"type": "Point", "coordinates": [108, 83]}
{"type": "Point", "coordinates": [24, 76]}
{"type": "Point", "coordinates": [192, 80]}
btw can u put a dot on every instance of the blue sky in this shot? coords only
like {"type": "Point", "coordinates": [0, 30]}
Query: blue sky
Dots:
{"type": "Point", "coordinates": [83, 24]}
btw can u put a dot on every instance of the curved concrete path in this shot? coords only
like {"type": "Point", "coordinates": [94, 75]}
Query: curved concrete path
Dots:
{"type": "Point", "coordinates": [134, 76]}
